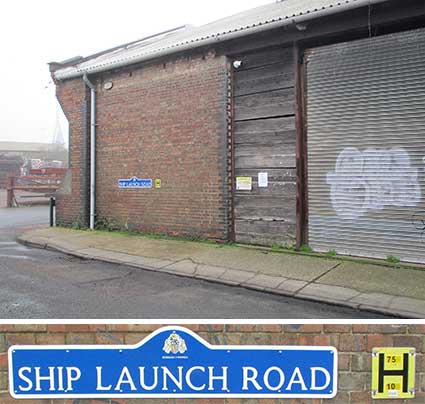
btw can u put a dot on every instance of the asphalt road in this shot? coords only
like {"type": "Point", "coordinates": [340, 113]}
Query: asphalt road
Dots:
{"type": "Point", "coordinates": [45, 284]}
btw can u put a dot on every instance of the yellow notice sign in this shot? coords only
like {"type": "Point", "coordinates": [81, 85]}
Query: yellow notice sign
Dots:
{"type": "Point", "coordinates": [393, 373]}
{"type": "Point", "coordinates": [157, 183]}
{"type": "Point", "coordinates": [243, 183]}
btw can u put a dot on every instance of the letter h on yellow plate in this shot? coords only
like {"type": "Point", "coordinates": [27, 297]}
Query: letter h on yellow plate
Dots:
{"type": "Point", "coordinates": [393, 373]}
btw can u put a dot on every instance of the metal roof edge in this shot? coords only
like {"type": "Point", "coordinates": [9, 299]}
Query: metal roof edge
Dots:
{"type": "Point", "coordinates": [346, 5]}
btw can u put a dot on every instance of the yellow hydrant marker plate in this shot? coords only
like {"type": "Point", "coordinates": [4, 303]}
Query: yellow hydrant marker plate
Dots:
{"type": "Point", "coordinates": [393, 373]}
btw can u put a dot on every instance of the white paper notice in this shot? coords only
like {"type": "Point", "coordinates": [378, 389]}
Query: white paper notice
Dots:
{"type": "Point", "coordinates": [263, 181]}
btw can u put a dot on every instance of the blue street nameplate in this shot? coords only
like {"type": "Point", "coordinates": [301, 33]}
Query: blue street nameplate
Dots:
{"type": "Point", "coordinates": [172, 362]}
{"type": "Point", "coordinates": [135, 182]}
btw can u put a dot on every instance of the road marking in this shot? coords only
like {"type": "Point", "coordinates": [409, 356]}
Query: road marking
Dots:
{"type": "Point", "coordinates": [20, 257]}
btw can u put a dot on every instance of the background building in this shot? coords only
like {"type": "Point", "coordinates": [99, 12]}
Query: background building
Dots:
{"type": "Point", "coordinates": [14, 155]}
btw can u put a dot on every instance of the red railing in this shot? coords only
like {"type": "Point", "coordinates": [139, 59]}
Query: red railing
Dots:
{"type": "Point", "coordinates": [45, 185]}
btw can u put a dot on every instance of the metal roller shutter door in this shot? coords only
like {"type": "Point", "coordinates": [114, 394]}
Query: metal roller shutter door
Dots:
{"type": "Point", "coordinates": [366, 147]}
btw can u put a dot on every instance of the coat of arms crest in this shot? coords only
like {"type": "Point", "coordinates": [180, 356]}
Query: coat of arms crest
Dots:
{"type": "Point", "coordinates": [174, 344]}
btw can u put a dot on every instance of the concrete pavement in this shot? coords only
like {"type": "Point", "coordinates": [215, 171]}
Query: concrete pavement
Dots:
{"type": "Point", "coordinates": [363, 286]}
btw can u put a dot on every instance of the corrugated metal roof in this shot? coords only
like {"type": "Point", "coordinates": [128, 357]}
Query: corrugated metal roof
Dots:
{"type": "Point", "coordinates": [266, 17]}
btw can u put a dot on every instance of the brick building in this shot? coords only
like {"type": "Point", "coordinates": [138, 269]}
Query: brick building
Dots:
{"type": "Point", "coordinates": [298, 122]}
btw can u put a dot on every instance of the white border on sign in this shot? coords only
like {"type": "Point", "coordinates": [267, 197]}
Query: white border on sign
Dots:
{"type": "Point", "coordinates": [199, 339]}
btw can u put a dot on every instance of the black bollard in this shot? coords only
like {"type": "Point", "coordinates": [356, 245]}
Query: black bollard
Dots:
{"type": "Point", "coordinates": [52, 208]}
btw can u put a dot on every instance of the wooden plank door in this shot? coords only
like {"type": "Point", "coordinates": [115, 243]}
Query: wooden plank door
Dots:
{"type": "Point", "coordinates": [264, 133]}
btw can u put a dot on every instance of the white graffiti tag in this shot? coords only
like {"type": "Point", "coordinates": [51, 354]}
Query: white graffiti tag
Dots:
{"type": "Point", "coordinates": [371, 180]}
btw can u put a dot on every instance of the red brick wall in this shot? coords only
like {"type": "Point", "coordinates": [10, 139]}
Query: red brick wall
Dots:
{"type": "Point", "coordinates": [165, 121]}
{"type": "Point", "coordinates": [71, 200]}
{"type": "Point", "coordinates": [353, 342]}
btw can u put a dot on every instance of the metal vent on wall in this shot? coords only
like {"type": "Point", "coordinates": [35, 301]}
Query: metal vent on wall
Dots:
{"type": "Point", "coordinates": [366, 147]}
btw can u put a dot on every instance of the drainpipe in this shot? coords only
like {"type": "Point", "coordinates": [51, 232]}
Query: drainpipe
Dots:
{"type": "Point", "coordinates": [92, 149]}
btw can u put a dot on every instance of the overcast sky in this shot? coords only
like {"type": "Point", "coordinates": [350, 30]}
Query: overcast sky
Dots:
{"type": "Point", "coordinates": [35, 32]}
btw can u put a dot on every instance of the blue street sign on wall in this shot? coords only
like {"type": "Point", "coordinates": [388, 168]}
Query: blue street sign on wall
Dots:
{"type": "Point", "coordinates": [172, 362]}
{"type": "Point", "coordinates": [135, 182]}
